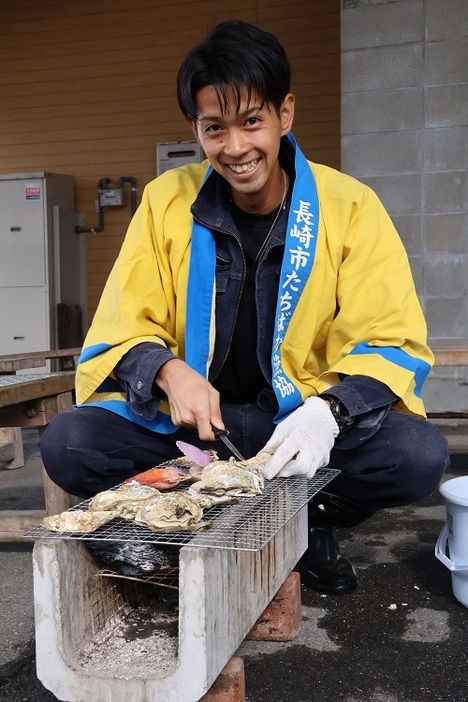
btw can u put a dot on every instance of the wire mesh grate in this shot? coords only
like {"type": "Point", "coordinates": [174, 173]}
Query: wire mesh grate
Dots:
{"type": "Point", "coordinates": [245, 526]}
{"type": "Point", "coordinates": [7, 380]}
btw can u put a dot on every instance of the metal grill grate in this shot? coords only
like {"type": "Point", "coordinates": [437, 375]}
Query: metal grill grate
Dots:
{"type": "Point", "coordinates": [246, 526]}
{"type": "Point", "coordinates": [8, 380]}
{"type": "Point", "coordinates": [103, 608]}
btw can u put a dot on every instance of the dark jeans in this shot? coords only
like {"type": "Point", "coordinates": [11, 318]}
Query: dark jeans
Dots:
{"type": "Point", "coordinates": [90, 449]}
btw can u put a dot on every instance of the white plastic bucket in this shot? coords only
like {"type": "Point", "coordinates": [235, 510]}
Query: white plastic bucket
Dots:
{"type": "Point", "coordinates": [454, 535]}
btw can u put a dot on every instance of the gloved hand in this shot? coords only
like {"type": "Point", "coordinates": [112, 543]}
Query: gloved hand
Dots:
{"type": "Point", "coordinates": [302, 442]}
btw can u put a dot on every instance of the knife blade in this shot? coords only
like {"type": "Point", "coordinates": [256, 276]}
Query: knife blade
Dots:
{"type": "Point", "coordinates": [222, 434]}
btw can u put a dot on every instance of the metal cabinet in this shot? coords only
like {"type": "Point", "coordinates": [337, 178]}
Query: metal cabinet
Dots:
{"type": "Point", "coordinates": [42, 259]}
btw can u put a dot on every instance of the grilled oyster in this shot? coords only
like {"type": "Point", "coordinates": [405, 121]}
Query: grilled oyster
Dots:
{"type": "Point", "coordinates": [175, 511]}
{"type": "Point", "coordinates": [205, 500]}
{"type": "Point", "coordinates": [234, 478]}
{"type": "Point", "coordinates": [78, 521]}
{"type": "Point", "coordinates": [125, 500]}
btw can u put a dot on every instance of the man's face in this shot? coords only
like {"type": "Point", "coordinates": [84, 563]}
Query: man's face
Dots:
{"type": "Point", "coordinates": [242, 145]}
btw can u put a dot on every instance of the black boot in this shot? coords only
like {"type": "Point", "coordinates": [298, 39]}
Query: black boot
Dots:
{"type": "Point", "coordinates": [322, 568]}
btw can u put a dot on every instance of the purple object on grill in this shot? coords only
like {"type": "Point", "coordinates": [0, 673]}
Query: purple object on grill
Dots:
{"type": "Point", "coordinates": [201, 458]}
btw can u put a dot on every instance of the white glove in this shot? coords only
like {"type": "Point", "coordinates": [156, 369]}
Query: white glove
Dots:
{"type": "Point", "coordinates": [302, 442]}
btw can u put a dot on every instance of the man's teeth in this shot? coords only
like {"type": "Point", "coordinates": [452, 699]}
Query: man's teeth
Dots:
{"type": "Point", "coordinates": [245, 167]}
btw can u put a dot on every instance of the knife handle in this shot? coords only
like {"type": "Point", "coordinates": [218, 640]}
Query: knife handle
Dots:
{"type": "Point", "coordinates": [218, 432]}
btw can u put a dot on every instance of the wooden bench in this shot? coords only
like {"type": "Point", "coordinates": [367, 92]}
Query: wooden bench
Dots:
{"type": "Point", "coordinates": [32, 401]}
{"type": "Point", "coordinates": [11, 443]}
{"type": "Point", "coordinates": [12, 363]}
{"type": "Point", "coordinates": [453, 424]}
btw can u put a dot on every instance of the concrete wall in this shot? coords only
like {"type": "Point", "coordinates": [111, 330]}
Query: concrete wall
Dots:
{"type": "Point", "coordinates": [404, 119]}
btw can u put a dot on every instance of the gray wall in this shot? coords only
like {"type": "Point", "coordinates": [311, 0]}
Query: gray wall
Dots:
{"type": "Point", "coordinates": [404, 132]}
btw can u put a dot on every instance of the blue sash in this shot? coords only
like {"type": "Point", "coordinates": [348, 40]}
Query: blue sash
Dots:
{"type": "Point", "coordinates": [298, 260]}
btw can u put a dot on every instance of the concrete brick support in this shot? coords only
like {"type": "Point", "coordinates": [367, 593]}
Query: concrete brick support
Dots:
{"type": "Point", "coordinates": [281, 620]}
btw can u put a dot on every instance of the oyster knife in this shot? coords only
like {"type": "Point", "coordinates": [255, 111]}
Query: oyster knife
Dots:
{"type": "Point", "coordinates": [222, 434]}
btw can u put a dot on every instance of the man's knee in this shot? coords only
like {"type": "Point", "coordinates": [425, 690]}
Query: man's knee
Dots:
{"type": "Point", "coordinates": [64, 432]}
{"type": "Point", "coordinates": [55, 437]}
{"type": "Point", "coordinates": [423, 458]}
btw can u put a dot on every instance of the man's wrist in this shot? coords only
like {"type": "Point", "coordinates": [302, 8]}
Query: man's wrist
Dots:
{"type": "Point", "coordinates": [163, 376]}
{"type": "Point", "coordinates": [339, 412]}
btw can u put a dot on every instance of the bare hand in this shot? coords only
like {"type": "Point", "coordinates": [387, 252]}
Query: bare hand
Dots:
{"type": "Point", "coordinates": [193, 401]}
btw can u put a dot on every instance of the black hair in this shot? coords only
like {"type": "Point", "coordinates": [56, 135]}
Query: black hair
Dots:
{"type": "Point", "coordinates": [235, 55]}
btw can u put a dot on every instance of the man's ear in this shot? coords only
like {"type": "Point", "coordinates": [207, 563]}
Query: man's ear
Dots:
{"type": "Point", "coordinates": [287, 113]}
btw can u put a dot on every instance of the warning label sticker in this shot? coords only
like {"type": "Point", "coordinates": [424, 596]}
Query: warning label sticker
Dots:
{"type": "Point", "coordinates": [32, 191]}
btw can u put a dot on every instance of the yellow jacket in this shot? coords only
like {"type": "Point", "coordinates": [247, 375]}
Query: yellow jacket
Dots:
{"type": "Point", "coordinates": [358, 313]}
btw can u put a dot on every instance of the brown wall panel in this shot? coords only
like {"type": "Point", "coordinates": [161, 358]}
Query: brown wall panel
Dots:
{"type": "Point", "coordinates": [88, 89]}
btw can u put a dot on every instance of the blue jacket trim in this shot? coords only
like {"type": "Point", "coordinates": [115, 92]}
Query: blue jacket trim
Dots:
{"type": "Point", "coordinates": [93, 351]}
{"type": "Point", "coordinates": [162, 424]}
{"type": "Point", "coordinates": [200, 296]}
{"type": "Point", "coordinates": [395, 355]}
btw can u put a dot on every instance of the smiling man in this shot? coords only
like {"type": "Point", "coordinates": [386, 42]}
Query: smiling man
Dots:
{"type": "Point", "coordinates": [242, 144]}
{"type": "Point", "coordinates": [262, 293]}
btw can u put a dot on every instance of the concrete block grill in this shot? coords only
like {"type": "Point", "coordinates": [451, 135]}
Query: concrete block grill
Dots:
{"type": "Point", "coordinates": [106, 639]}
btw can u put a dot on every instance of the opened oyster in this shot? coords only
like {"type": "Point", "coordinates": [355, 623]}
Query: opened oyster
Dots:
{"type": "Point", "coordinates": [125, 500]}
{"type": "Point", "coordinates": [175, 511]}
{"type": "Point", "coordinates": [78, 521]}
{"type": "Point", "coordinates": [234, 478]}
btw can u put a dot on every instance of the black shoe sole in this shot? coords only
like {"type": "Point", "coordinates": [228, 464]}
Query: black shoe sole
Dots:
{"type": "Point", "coordinates": [325, 589]}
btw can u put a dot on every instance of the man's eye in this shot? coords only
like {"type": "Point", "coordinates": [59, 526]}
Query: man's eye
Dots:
{"type": "Point", "coordinates": [253, 120]}
{"type": "Point", "coordinates": [212, 128]}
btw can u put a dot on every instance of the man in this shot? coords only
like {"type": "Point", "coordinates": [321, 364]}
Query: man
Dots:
{"type": "Point", "coordinates": [262, 293]}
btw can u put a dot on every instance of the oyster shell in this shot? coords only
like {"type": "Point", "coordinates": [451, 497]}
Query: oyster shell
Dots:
{"type": "Point", "coordinates": [175, 511]}
{"type": "Point", "coordinates": [125, 500]}
{"type": "Point", "coordinates": [190, 464]}
{"type": "Point", "coordinates": [205, 500]}
{"type": "Point", "coordinates": [78, 521]}
{"type": "Point", "coordinates": [234, 478]}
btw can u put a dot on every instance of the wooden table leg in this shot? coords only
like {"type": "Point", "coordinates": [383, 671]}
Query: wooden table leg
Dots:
{"type": "Point", "coordinates": [11, 447]}
{"type": "Point", "coordinates": [56, 500]}
{"type": "Point", "coordinates": [33, 401]}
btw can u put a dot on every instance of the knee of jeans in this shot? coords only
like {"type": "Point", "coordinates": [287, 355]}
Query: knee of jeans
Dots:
{"type": "Point", "coordinates": [53, 446]}
{"type": "Point", "coordinates": [424, 454]}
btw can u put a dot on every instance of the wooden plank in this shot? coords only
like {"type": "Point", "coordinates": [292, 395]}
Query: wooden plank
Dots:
{"type": "Point", "coordinates": [14, 523]}
{"type": "Point", "coordinates": [32, 413]}
{"type": "Point", "coordinates": [9, 367]}
{"type": "Point", "coordinates": [451, 357]}
{"type": "Point", "coordinates": [56, 500]}
{"type": "Point", "coordinates": [10, 363]}
{"type": "Point", "coordinates": [28, 388]}
{"type": "Point", "coordinates": [455, 431]}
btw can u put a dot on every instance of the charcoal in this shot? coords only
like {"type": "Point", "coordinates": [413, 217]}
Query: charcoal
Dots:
{"type": "Point", "coordinates": [134, 558]}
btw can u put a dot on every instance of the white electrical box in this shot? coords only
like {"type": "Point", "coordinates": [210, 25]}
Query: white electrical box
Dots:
{"type": "Point", "coordinates": [111, 197]}
{"type": "Point", "coordinates": [42, 259]}
{"type": "Point", "coordinates": [172, 154]}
